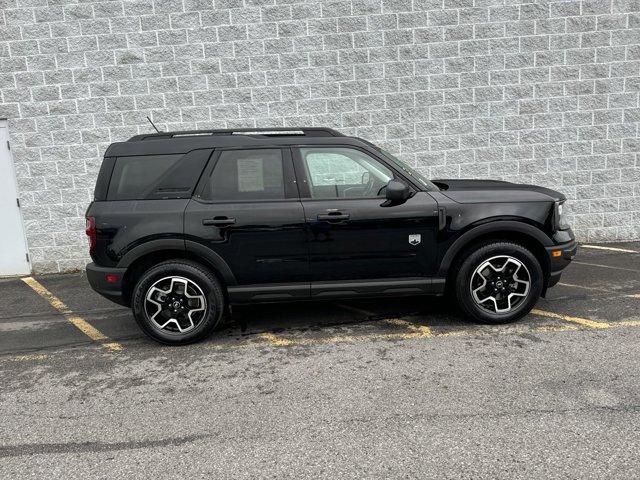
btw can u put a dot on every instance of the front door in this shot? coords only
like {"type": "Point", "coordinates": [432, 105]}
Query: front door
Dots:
{"type": "Point", "coordinates": [354, 233]}
{"type": "Point", "coordinates": [247, 211]}
{"type": "Point", "coordinates": [13, 249]}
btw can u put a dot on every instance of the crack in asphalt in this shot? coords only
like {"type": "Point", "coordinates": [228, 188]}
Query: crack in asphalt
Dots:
{"type": "Point", "coordinates": [93, 447]}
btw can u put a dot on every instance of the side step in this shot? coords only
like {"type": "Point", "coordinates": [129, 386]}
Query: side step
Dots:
{"type": "Point", "coordinates": [340, 289]}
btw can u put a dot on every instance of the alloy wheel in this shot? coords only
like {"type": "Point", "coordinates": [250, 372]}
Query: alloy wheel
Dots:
{"type": "Point", "coordinates": [175, 304]}
{"type": "Point", "coordinates": [500, 284]}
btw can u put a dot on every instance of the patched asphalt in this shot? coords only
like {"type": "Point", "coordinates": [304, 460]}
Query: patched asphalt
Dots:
{"type": "Point", "coordinates": [401, 387]}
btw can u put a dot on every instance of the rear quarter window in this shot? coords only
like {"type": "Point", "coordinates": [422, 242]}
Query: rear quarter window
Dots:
{"type": "Point", "coordinates": [102, 182]}
{"type": "Point", "coordinates": [147, 177]}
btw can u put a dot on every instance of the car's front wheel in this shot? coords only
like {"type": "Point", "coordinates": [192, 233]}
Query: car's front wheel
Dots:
{"type": "Point", "coordinates": [499, 282]}
{"type": "Point", "coordinates": [177, 302]}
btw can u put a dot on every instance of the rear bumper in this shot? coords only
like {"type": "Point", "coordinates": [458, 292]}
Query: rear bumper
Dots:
{"type": "Point", "coordinates": [97, 277]}
{"type": "Point", "coordinates": [559, 261]}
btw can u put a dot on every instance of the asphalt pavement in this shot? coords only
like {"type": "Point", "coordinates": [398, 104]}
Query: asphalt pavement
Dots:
{"type": "Point", "coordinates": [390, 388]}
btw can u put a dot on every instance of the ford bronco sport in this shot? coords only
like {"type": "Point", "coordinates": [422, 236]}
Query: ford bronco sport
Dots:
{"type": "Point", "coordinates": [184, 224]}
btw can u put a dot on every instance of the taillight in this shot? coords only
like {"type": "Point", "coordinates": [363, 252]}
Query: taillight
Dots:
{"type": "Point", "coordinates": [91, 232]}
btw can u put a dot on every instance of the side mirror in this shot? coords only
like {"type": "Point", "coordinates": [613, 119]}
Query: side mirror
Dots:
{"type": "Point", "coordinates": [397, 192]}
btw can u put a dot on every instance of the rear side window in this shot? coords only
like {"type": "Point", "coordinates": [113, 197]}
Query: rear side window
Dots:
{"type": "Point", "coordinates": [255, 174]}
{"type": "Point", "coordinates": [144, 177]}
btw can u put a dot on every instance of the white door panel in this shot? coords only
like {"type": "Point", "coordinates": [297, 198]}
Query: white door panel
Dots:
{"type": "Point", "coordinates": [13, 246]}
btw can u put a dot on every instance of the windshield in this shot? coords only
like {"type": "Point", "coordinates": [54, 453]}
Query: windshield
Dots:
{"type": "Point", "coordinates": [409, 170]}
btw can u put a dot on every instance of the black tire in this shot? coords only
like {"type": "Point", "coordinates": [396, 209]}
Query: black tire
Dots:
{"type": "Point", "coordinates": [486, 313]}
{"type": "Point", "coordinates": [204, 323]}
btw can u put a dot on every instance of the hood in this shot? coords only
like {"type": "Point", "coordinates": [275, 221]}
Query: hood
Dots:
{"type": "Point", "coordinates": [491, 191]}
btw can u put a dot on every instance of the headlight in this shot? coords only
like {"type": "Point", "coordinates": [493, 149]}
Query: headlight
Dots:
{"type": "Point", "coordinates": [560, 222]}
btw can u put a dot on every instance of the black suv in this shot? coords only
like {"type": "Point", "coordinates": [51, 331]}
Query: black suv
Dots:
{"type": "Point", "coordinates": [185, 224]}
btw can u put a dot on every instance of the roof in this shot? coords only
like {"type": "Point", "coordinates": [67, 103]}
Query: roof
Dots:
{"type": "Point", "coordinates": [184, 141]}
{"type": "Point", "coordinates": [268, 132]}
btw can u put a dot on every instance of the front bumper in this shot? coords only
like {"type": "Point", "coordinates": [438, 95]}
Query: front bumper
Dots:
{"type": "Point", "coordinates": [97, 277]}
{"type": "Point", "coordinates": [560, 257]}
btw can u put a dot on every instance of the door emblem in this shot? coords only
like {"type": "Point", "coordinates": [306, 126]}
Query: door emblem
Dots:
{"type": "Point", "coordinates": [415, 239]}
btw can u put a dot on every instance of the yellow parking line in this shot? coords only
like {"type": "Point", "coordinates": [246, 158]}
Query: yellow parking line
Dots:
{"type": "Point", "coordinates": [612, 249]}
{"type": "Point", "coordinates": [414, 327]}
{"type": "Point", "coordinates": [573, 324]}
{"type": "Point", "coordinates": [554, 328]}
{"type": "Point", "coordinates": [351, 338]}
{"type": "Point", "coordinates": [25, 358]}
{"type": "Point", "coordinates": [567, 318]}
{"type": "Point", "coordinates": [628, 323]}
{"type": "Point", "coordinates": [275, 340]}
{"type": "Point", "coordinates": [418, 332]}
{"type": "Point", "coordinates": [421, 332]}
{"type": "Point", "coordinates": [79, 322]}
{"type": "Point", "coordinates": [370, 337]}
{"type": "Point", "coordinates": [354, 338]}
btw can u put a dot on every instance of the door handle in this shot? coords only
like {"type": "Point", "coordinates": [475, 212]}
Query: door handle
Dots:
{"type": "Point", "coordinates": [218, 221]}
{"type": "Point", "coordinates": [333, 217]}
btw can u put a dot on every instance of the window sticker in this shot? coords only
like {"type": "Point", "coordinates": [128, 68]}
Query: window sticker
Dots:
{"type": "Point", "coordinates": [250, 175]}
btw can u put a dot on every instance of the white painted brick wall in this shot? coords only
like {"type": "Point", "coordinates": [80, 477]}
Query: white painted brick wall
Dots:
{"type": "Point", "coordinates": [543, 92]}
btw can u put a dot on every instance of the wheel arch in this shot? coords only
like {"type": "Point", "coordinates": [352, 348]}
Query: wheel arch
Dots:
{"type": "Point", "coordinates": [137, 266]}
{"type": "Point", "coordinates": [522, 233]}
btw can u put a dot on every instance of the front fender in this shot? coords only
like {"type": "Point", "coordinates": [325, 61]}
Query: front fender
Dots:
{"type": "Point", "coordinates": [494, 227]}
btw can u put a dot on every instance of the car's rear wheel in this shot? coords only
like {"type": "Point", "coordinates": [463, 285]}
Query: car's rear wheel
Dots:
{"type": "Point", "coordinates": [178, 302]}
{"type": "Point", "coordinates": [499, 282]}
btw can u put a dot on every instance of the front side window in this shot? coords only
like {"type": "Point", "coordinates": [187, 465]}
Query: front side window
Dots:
{"type": "Point", "coordinates": [247, 175]}
{"type": "Point", "coordinates": [344, 173]}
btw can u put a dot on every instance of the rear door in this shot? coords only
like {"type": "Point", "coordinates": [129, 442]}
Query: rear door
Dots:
{"type": "Point", "coordinates": [354, 233]}
{"type": "Point", "coordinates": [247, 211]}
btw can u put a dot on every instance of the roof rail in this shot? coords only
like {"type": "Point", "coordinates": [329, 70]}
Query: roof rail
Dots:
{"type": "Point", "coordinates": [270, 132]}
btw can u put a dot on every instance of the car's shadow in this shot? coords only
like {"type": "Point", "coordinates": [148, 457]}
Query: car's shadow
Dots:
{"type": "Point", "coordinates": [315, 316]}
